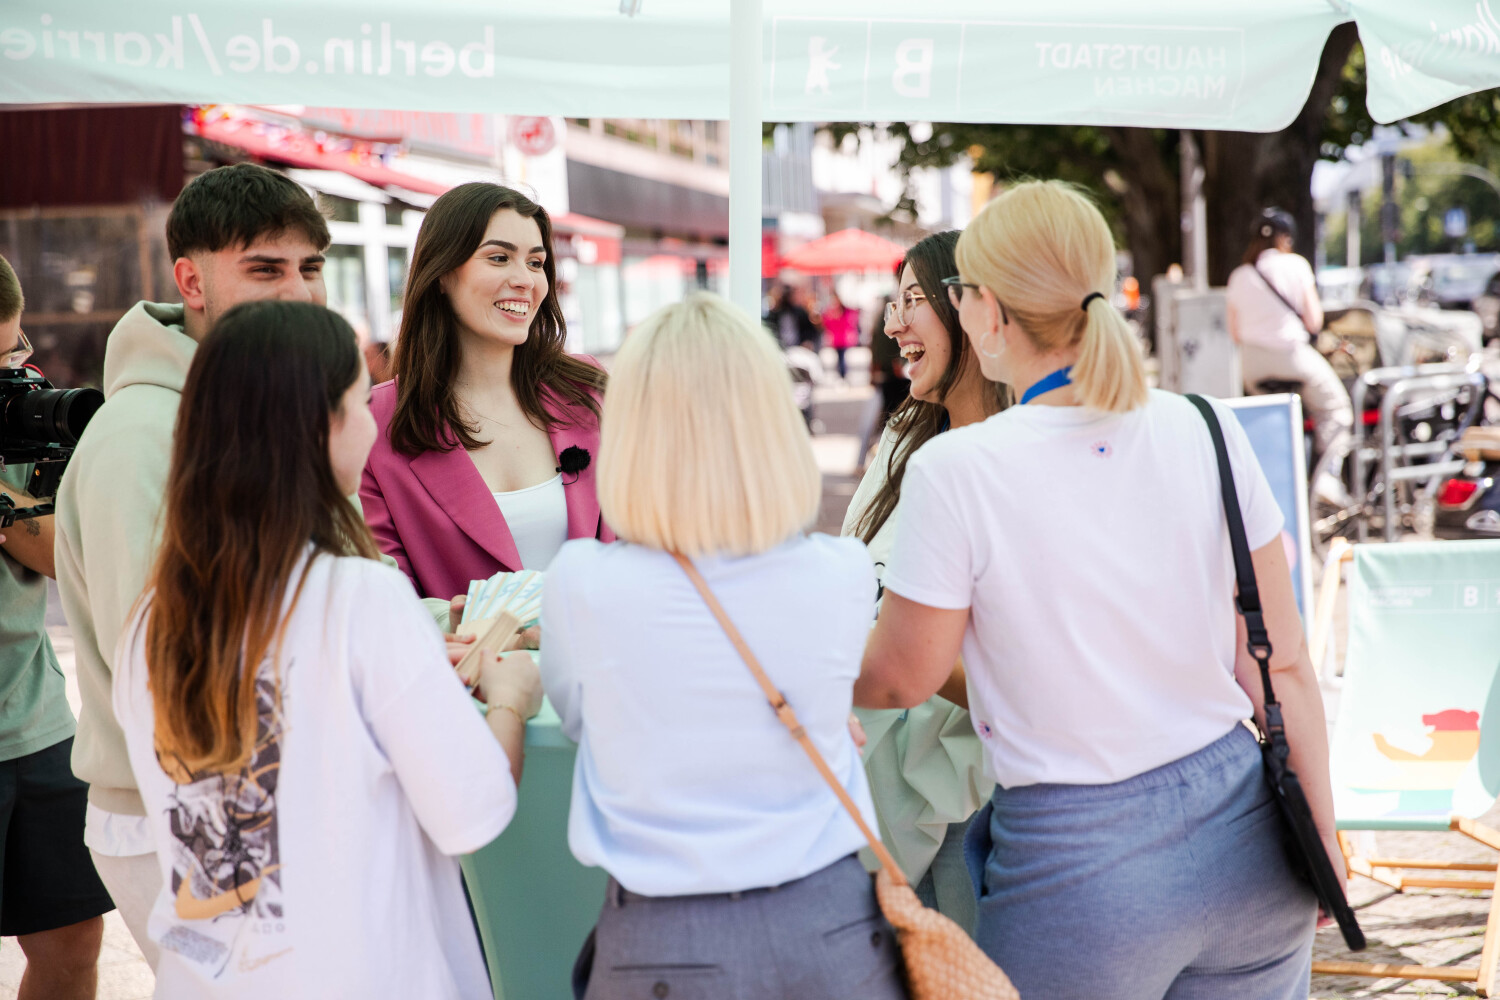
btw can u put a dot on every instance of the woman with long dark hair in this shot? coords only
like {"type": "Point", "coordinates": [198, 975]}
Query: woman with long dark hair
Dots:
{"type": "Point", "coordinates": [925, 765]}
{"type": "Point", "coordinates": [309, 763]}
{"type": "Point", "coordinates": [484, 460]}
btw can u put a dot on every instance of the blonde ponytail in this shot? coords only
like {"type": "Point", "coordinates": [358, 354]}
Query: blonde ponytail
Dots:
{"type": "Point", "coordinates": [1109, 375]}
{"type": "Point", "coordinates": [1042, 248]}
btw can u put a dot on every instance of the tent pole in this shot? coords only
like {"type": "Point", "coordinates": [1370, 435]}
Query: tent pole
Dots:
{"type": "Point", "coordinates": [745, 154]}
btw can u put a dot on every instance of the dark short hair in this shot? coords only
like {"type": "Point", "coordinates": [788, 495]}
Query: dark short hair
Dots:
{"type": "Point", "coordinates": [11, 300]}
{"type": "Point", "coordinates": [235, 206]}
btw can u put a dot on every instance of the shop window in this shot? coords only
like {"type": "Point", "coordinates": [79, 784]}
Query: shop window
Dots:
{"type": "Point", "coordinates": [344, 278]}
{"type": "Point", "coordinates": [396, 263]}
{"type": "Point", "coordinates": [81, 269]}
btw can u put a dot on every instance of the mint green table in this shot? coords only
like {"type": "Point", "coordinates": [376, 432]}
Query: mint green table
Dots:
{"type": "Point", "coordinates": [534, 903]}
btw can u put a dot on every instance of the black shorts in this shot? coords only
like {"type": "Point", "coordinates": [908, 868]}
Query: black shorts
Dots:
{"type": "Point", "coordinates": [47, 879]}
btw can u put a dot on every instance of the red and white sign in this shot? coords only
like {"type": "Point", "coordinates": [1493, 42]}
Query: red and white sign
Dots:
{"type": "Point", "coordinates": [533, 136]}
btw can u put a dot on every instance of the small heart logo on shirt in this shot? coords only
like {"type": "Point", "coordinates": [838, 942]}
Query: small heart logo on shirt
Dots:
{"type": "Point", "coordinates": [1102, 449]}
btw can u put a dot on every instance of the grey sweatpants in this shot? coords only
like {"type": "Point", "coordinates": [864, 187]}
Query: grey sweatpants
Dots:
{"type": "Point", "coordinates": [1323, 394]}
{"type": "Point", "coordinates": [1172, 884]}
{"type": "Point", "coordinates": [819, 938]}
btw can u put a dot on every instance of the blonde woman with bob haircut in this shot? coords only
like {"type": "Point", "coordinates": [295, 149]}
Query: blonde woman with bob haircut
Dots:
{"type": "Point", "coordinates": [1073, 548]}
{"type": "Point", "coordinates": [732, 865]}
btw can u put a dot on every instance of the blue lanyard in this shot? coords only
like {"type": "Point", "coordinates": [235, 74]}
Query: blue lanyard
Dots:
{"type": "Point", "coordinates": [1058, 379]}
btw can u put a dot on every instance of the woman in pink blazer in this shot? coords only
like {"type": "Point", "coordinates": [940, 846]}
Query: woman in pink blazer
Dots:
{"type": "Point", "coordinates": [489, 431]}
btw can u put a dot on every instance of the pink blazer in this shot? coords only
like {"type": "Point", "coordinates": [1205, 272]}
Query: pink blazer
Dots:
{"type": "Point", "coordinates": [436, 517]}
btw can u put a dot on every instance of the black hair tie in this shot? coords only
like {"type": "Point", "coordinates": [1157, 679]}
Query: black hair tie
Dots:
{"type": "Point", "coordinates": [1091, 296]}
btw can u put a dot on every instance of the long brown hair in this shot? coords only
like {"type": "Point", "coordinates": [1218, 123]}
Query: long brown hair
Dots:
{"type": "Point", "coordinates": [914, 421]}
{"type": "Point", "coordinates": [250, 488]}
{"type": "Point", "coordinates": [428, 417]}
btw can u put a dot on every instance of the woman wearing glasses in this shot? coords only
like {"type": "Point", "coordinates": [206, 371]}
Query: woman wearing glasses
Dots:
{"type": "Point", "coordinates": [924, 764]}
{"type": "Point", "coordinates": [1132, 839]}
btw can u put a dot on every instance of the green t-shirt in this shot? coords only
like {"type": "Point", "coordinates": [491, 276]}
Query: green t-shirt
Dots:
{"type": "Point", "coordinates": [34, 713]}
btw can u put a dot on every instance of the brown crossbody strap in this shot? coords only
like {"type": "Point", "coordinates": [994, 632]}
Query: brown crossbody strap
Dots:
{"type": "Point", "coordinates": [787, 716]}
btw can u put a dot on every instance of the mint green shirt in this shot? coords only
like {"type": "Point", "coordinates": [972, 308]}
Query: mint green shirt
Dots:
{"type": "Point", "coordinates": [34, 713]}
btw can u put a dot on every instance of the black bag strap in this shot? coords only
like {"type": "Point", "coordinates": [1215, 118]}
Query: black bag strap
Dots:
{"type": "Point", "coordinates": [1258, 639]}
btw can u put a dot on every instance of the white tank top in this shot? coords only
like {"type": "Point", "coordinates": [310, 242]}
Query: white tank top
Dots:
{"type": "Point", "coordinates": [538, 521]}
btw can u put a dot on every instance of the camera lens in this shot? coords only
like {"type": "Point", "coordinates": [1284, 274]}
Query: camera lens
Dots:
{"type": "Point", "coordinates": [51, 415]}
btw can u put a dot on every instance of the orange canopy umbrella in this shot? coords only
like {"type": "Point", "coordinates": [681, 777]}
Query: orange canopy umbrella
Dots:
{"type": "Point", "coordinates": [845, 250]}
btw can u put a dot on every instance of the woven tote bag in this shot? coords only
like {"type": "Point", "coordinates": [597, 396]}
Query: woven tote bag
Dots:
{"type": "Point", "coordinates": [941, 961]}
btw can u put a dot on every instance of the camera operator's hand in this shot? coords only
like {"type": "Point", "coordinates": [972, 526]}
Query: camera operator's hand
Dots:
{"type": "Point", "coordinates": [29, 540]}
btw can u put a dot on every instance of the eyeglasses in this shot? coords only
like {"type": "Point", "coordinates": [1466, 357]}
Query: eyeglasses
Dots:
{"type": "Point", "coordinates": [17, 357]}
{"type": "Point", "coordinates": [901, 309]}
{"type": "Point", "coordinates": [956, 286]}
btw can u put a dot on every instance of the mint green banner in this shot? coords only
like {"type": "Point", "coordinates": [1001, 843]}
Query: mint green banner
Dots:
{"type": "Point", "coordinates": [1231, 64]}
{"type": "Point", "coordinates": [568, 57]}
{"type": "Point", "coordinates": [1200, 65]}
{"type": "Point", "coordinates": [1422, 53]}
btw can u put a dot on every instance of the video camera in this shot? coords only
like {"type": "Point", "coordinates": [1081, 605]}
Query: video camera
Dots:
{"type": "Point", "coordinates": [40, 425]}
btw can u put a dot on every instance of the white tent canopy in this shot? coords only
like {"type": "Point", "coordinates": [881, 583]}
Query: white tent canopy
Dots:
{"type": "Point", "coordinates": [1231, 64]}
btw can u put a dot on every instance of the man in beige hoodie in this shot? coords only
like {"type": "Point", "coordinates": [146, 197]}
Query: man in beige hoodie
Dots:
{"type": "Point", "coordinates": [235, 234]}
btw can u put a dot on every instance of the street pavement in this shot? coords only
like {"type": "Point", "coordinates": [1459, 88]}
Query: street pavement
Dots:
{"type": "Point", "coordinates": [1420, 926]}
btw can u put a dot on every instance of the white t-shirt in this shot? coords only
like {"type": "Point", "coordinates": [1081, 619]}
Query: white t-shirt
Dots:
{"type": "Point", "coordinates": [341, 831]}
{"type": "Point", "coordinates": [1265, 320]}
{"type": "Point", "coordinates": [686, 781]}
{"type": "Point", "coordinates": [538, 521]}
{"type": "Point", "coordinates": [1092, 552]}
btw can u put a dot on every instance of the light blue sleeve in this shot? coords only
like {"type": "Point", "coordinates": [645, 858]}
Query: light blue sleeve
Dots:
{"type": "Point", "coordinates": [563, 644]}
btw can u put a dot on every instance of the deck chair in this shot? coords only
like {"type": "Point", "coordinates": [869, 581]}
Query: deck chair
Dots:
{"type": "Point", "coordinates": [533, 902]}
{"type": "Point", "coordinates": [1417, 741]}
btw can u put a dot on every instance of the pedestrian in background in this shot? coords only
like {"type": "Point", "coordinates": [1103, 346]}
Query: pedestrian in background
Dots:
{"type": "Point", "coordinates": [791, 320]}
{"type": "Point", "coordinates": [1105, 676]}
{"type": "Point", "coordinates": [841, 325]}
{"type": "Point", "coordinates": [732, 864]}
{"type": "Point", "coordinates": [888, 376]}
{"type": "Point", "coordinates": [1273, 311]}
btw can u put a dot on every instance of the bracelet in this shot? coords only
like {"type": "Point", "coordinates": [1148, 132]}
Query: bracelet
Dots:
{"type": "Point", "coordinates": [513, 710]}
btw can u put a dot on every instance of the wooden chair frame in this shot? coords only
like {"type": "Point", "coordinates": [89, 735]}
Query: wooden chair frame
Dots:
{"type": "Point", "coordinates": [1389, 871]}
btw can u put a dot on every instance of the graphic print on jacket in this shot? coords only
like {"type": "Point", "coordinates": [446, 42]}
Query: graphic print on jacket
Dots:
{"type": "Point", "coordinates": [226, 858]}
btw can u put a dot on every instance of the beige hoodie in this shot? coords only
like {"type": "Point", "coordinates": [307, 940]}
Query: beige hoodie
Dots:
{"type": "Point", "coordinates": [108, 526]}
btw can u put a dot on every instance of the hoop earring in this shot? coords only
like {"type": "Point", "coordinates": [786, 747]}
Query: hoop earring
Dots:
{"type": "Point", "coordinates": [992, 355]}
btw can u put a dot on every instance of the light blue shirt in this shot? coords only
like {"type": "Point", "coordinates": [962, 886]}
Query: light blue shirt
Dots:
{"type": "Point", "coordinates": [686, 781]}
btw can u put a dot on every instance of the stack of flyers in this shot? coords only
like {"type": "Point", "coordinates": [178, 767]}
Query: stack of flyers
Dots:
{"type": "Point", "coordinates": [519, 594]}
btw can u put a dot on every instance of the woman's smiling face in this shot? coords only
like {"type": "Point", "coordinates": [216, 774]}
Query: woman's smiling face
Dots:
{"type": "Point", "coordinates": [925, 343]}
{"type": "Point", "coordinates": [498, 291]}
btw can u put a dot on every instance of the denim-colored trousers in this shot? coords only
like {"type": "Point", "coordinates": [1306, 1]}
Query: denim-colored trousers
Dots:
{"type": "Point", "coordinates": [1172, 884]}
{"type": "Point", "coordinates": [821, 937]}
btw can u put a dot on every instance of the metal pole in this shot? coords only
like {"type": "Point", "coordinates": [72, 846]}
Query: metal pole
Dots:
{"type": "Point", "coordinates": [1353, 221]}
{"type": "Point", "coordinates": [1390, 218]}
{"type": "Point", "coordinates": [744, 154]}
{"type": "Point", "coordinates": [1194, 213]}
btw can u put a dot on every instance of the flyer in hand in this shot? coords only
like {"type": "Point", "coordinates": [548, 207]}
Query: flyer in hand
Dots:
{"type": "Point", "coordinates": [498, 610]}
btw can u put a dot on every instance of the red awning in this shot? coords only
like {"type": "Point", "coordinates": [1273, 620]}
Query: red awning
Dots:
{"type": "Point", "coordinates": [301, 149]}
{"type": "Point", "coordinates": [843, 251]}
